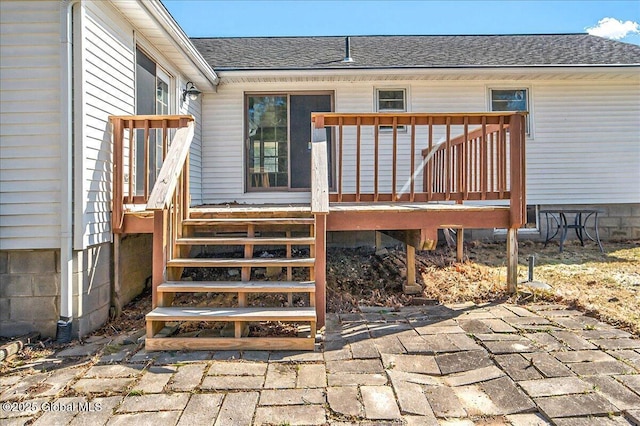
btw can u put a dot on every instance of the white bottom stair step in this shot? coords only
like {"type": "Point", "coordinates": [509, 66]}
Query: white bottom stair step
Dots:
{"type": "Point", "coordinates": [304, 314]}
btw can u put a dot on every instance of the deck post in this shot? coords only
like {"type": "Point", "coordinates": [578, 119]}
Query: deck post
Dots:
{"type": "Point", "coordinates": [512, 260]}
{"type": "Point", "coordinates": [159, 253]}
{"type": "Point", "coordinates": [321, 268]}
{"type": "Point", "coordinates": [460, 245]}
{"type": "Point", "coordinates": [411, 287]}
{"type": "Point", "coordinates": [320, 210]}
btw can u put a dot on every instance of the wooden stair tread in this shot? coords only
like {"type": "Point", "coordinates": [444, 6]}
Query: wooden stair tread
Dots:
{"type": "Point", "coordinates": [239, 262]}
{"type": "Point", "coordinates": [246, 240]}
{"type": "Point", "coordinates": [251, 221]}
{"type": "Point", "coordinates": [231, 314]}
{"type": "Point", "coordinates": [237, 286]}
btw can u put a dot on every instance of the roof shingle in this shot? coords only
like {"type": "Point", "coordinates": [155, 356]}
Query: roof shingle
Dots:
{"type": "Point", "coordinates": [282, 53]}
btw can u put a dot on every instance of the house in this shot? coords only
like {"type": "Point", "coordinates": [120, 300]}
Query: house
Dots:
{"type": "Point", "coordinates": [581, 92]}
{"type": "Point", "coordinates": [66, 66]}
{"type": "Point", "coordinates": [407, 126]}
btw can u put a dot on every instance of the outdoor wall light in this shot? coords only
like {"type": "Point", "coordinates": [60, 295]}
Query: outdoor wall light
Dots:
{"type": "Point", "coordinates": [190, 89]}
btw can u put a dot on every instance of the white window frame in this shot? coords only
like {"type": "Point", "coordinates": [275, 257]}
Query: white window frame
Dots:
{"type": "Point", "coordinates": [528, 118]}
{"type": "Point", "coordinates": [405, 99]}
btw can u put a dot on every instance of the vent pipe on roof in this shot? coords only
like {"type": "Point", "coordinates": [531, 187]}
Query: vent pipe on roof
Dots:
{"type": "Point", "coordinates": [347, 50]}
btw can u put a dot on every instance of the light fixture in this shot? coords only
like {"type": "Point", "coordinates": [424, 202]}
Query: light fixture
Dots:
{"type": "Point", "coordinates": [190, 89]}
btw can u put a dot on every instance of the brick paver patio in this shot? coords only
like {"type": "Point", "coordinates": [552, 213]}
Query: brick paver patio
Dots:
{"type": "Point", "coordinates": [433, 365]}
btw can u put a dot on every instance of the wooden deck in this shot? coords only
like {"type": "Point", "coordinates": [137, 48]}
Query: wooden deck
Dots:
{"type": "Point", "coordinates": [482, 166]}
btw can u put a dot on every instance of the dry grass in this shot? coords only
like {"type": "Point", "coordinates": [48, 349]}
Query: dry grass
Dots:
{"type": "Point", "coordinates": [605, 285]}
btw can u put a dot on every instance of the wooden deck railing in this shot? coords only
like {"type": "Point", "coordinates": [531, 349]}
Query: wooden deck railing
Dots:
{"type": "Point", "coordinates": [466, 156]}
{"type": "Point", "coordinates": [131, 134]}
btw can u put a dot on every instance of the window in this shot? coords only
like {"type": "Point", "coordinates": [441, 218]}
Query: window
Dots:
{"type": "Point", "coordinates": [269, 140]}
{"type": "Point", "coordinates": [391, 100]}
{"type": "Point", "coordinates": [511, 100]}
{"type": "Point", "coordinates": [278, 131]}
{"type": "Point", "coordinates": [152, 97]}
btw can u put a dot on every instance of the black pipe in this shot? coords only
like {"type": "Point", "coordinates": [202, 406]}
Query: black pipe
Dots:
{"type": "Point", "coordinates": [347, 50]}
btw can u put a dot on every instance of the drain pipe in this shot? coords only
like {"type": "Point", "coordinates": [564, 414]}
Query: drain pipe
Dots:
{"type": "Point", "coordinates": [63, 333]}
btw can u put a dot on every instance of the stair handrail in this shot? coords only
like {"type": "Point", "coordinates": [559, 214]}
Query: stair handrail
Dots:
{"type": "Point", "coordinates": [169, 201]}
{"type": "Point", "coordinates": [172, 168]}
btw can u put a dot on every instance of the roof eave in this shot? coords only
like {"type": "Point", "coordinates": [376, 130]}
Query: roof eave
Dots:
{"type": "Point", "coordinates": [158, 17]}
{"type": "Point", "coordinates": [422, 68]}
{"type": "Point", "coordinates": [471, 69]}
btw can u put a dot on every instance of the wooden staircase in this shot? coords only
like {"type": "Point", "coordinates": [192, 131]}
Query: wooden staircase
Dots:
{"type": "Point", "coordinates": [277, 256]}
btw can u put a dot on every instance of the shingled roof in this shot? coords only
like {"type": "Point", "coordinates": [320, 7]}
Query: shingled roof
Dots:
{"type": "Point", "coordinates": [462, 51]}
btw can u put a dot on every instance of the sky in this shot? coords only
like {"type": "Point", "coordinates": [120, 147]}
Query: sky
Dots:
{"type": "Point", "coordinates": [243, 18]}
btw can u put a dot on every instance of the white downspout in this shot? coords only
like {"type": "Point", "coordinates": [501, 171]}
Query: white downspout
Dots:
{"type": "Point", "coordinates": [66, 166]}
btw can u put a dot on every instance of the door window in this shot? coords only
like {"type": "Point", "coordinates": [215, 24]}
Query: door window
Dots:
{"type": "Point", "coordinates": [268, 141]}
{"type": "Point", "coordinates": [278, 130]}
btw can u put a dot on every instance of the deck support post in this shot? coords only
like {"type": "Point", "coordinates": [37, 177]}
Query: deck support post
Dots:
{"type": "Point", "coordinates": [320, 268]}
{"type": "Point", "coordinates": [411, 287]}
{"type": "Point", "coordinates": [460, 245]}
{"type": "Point", "coordinates": [378, 236]}
{"type": "Point", "coordinates": [159, 253]}
{"type": "Point", "coordinates": [160, 219]}
{"type": "Point", "coordinates": [512, 260]}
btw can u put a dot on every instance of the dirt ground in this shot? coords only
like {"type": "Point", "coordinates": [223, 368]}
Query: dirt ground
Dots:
{"type": "Point", "coordinates": [606, 286]}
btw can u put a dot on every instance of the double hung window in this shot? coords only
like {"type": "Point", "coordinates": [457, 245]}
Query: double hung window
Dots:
{"type": "Point", "coordinates": [152, 98]}
{"type": "Point", "coordinates": [511, 100]}
{"type": "Point", "coordinates": [391, 100]}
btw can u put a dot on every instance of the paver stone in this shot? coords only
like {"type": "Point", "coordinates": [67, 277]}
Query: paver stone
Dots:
{"type": "Point", "coordinates": [615, 392]}
{"type": "Point", "coordinates": [145, 419]}
{"type": "Point", "coordinates": [463, 361]}
{"type": "Point", "coordinates": [473, 376]}
{"type": "Point", "coordinates": [344, 400]}
{"type": "Point", "coordinates": [411, 398]}
{"type": "Point", "coordinates": [237, 409]}
{"type": "Point", "coordinates": [555, 386]}
{"type": "Point", "coordinates": [591, 404]}
{"type": "Point", "coordinates": [201, 409]}
{"type": "Point", "coordinates": [444, 401]}
{"type": "Point", "coordinates": [379, 403]}
{"type": "Point", "coordinates": [154, 402]}
{"type": "Point", "coordinates": [292, 397]}
{"type": "Point", "coordinates": [291, 415]}
{"type": "Point", "coordinates": [507, 396]}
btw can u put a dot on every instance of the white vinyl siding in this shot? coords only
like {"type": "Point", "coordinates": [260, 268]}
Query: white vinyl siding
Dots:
{"type": "Point", "coordinates": [586, 147]}
{"type": "Point", "coordinates": [587, 143]}
{"type": "Point", "coordinates": [108, 67]}
{"type": "Point", "coordinates": [29, 125]}
{"type": "Point", "coordinates": [105, 54]}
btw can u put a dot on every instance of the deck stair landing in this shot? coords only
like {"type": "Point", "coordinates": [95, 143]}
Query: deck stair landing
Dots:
{"type": "Point", "coordinates": [281, 244]}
